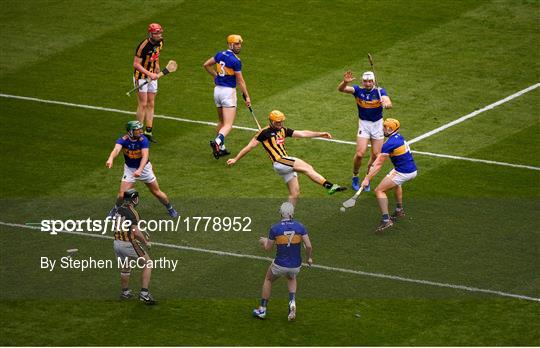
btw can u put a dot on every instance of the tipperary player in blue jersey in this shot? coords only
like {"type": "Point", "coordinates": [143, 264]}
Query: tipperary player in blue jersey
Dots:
{"type": "Point", "coordinates": [226, 70]}
{"type": "Point", "coordinates": [288, 235]}
{"type": "Point", "coordinates": [404, 170]}
{"type": "Point", "coordinates": [370, 101]}
{"type": "Point", "coordinates": [135, 147]}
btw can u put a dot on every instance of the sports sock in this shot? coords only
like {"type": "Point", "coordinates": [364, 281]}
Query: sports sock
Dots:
{"type": "Point", "coordinates": [144, 291]}
{"type": "Point", "coordinates": [126, 290]}
{"type": "Point", "coordinates": [264, 303]}
{"type": "Point", "coordinates": [222, 147]}
{"type": "Point", "coordinates": [168, 205]}
{"type": "Point", "coordinates": [399, 206]}
{"type": "Point", "coordinates": [385, 217]}
{"type": "Point", "coordinates": [292, 296]}
{"type": "Point", "coordinates": [327, 184]}
{"type": "Point", "coordinates": [220, 139]}
{"type": "Point", "coordinates": [148, 129]}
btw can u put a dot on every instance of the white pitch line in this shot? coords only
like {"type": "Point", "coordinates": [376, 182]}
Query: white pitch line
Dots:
{"type": "Point", "coordinates": [473, 114]}
{"type": "Point", "coordinates": [476, 160]}
{"type": "Point", "coordinates": [179, 119]}
{"type": "Point", "coordinates": [328, 268]}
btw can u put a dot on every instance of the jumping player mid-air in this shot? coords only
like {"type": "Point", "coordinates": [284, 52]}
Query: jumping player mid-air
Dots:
{"type": "Point", "coordinates": [370, 102]}
{"type": "Point", "coordinates": [272, 138]}
{"type": "Point", "coordinates": [404, 170]}
{"type": "Point", "coordinates": [226, 70]}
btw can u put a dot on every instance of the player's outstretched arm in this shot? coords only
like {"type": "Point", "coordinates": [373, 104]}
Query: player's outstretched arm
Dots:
{"type": "Point", "coordinates": [311, 134]}
{"type": "Point", "coordinates": [112, 156]}
{"type": "Point", "coordinates": [375, 168]}
{"type": "Point", "coordinates": [250, 146]}
{"type": "Point", "coordinates": [343, 85]}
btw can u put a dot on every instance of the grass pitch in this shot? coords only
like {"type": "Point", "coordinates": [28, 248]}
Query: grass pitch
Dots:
{"type": "Point", "coordinates": [468, 224]}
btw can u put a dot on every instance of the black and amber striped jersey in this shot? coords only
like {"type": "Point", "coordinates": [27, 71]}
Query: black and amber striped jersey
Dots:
{"type": "Point", "coordinates": [149, 53]}
{"type": "Point", "coordinates": [273, 141]}
{"type": "Point", "coordinates": [125, 213]}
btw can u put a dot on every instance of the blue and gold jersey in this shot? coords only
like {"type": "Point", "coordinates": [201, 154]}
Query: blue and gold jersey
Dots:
{"type": "Point", "coordinates": [132, 150]}
{"type": "Point", "coordinates": [400, 154]}
{"type": "Point", "coordinates": [227, 63]}
{"type": "Point", "coordinates": [368, 103]}
{"type": "Point", "coordinates": [287, 236]}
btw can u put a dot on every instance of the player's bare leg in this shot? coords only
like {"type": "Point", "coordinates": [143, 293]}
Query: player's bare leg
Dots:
{"type": "Point", "coordinates": [380, 192]}
{"type": "Point", "coordinates": [294, 190]}
{"type": "Point", "coordinates": [361, 147]}
{"type": "Point", "coordinates": [291, 284]}
{"type": "Point", "coordinates": [399, 212]}
{"type": "Point", "coordinates": [124, 283]}
{"type": "Point", "coordinates": [145, 295]}
{"type": "Point", "coordinates": [162, 197]}
{"type": "Point", "coordinates": [226, 116]}
{"type": "Point", "coordinates": [305, 168]}
{"type": "Point", "coordinates": [141, 106]}
{"type": "Point", "coordinates": [149, 115]}
{"type": "Point", "coordinates": [124, 186]}
{"type": "Point", "coordinates": [265, 294]}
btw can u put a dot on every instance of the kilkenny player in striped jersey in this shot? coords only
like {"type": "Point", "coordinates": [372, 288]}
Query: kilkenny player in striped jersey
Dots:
{"type": "Point", "coordinates": [272, 139]}
{"type": "Point", "coordinates": [146, 65]}
{"type": "Point", "coordinates": [127, 246]}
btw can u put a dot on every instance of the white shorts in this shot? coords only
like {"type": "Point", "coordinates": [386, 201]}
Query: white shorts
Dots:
{"type": "Point", "coordinates": [370, 130]}
{"type": "Point", "coordinates": [131, 250]}
{"type": "Point", "coordinates": [279, 271]}
{"type": "Point", "coordinates": [225, 97]}
{"type": "Point", "coordinates": [147, 175]}
{"type": "Point", "coordinates": [286, 171]}
{"type": "Point", "coordinates": [401, 178]}
{"type": "Point", "coordinates": [149, 87]}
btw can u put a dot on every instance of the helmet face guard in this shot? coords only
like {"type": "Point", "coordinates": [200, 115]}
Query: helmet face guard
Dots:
{"type": "Point", "coordinates": [131, 196]}
{"type": "Point", "coordinates": [131, 127]}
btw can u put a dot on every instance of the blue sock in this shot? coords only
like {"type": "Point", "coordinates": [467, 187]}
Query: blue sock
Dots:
{"type": "Point", "coordinates": [385, 217]}
{"type": "Point", "coordinates": [264, 302]}
{"type": "Point", "coordinates": [292, 296]}
{"type": "Point", "coordinates": [220, 139]}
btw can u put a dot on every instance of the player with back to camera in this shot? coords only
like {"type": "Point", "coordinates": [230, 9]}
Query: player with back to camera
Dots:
{"type": "Point", "coordinates": [146, 65]}
{"type": "Point", "coordinates": [370, 102]}
{"type": "Point", "coordinates": [288, 235]}
{"type": "Point", "coordinates": [127, 247]}
{"type": "Point", "coordinates": [137, 166]}
{"type": "Point", "coordinates": [404, 170]}
{"type": "Point", "coordinates": [226, 70]}
{"type": "Point", "coordinates": [272, 138]}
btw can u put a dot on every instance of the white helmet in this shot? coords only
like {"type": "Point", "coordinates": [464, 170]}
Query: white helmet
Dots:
{"type": "Point", "coordinates": [287, 210]}
{"type": "Point", "coordinates": [368, 75]}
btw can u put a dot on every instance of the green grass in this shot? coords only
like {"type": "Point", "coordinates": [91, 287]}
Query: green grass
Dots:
{"type": "Point", "coordinates": [468, 224]}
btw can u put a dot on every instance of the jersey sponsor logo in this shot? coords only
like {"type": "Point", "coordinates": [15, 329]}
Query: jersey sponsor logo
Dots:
{"type": "Point", "coordinates": [280, 140]}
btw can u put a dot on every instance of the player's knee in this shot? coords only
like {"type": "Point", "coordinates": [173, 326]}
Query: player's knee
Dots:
{"type": "Point", "coordinates": [150, 104]}
{"type": "Point", "coordinates": [125, 272]}
{"type": "Point", "coordinates": [294, 193]}
{"type": "Point", "coordinates": [379, 193]}
{"type": "Point", "coordinates": [360, 153]}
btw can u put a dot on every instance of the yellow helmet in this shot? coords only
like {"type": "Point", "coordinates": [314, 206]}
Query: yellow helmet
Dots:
{"type": "Point", "coordinates": [391, 123]}
{"type": "Point", "coordinates": [233, 38]}
{"type": "Point", "coordinates": [276, 116]}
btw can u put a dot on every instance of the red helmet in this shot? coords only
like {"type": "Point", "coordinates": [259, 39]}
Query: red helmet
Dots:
{"type": "Point", "coordinates": [154, 28]}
